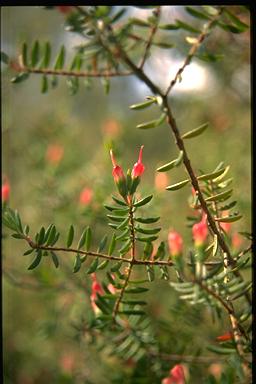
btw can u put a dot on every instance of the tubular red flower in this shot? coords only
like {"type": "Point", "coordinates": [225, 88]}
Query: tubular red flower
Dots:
{"type": "Point", "coordinates": [175, 243]}
{"type": "Point", "coordinates": [117, 172]}
{"type": "Point", "coordinates": [177, 374]}
{"type": "Point", "coordinates": [5, 191]}
{"type": "Point", "coordinates": [225, 337]}
{"type": "Point", "coordinates": [200, 231]}
{"type": "Point", "coordinates": [138, 168]}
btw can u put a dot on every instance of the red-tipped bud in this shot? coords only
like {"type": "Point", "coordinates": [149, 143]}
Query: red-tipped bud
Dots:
{"type": "Point", "coordinates": [96, 289]}
{"type": "Point", "coordinates": [5, 191]}
{"type": "Point", "coordinates": [85, 196]}
{"type": "Point", "coordinates": [175, 243]}
{"type": "Point", "coordinates": [200, 232]}
{"type": "Point", "coordinates": [117, 172]}
{"type": "Point", "coordinates": [226, 337]}
{"type": "Point", "coordinates": [138, 168]}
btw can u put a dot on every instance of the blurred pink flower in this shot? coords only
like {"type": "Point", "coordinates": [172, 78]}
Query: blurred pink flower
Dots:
{"type": "Point", "coordinates": [86, 196]}
{"type": "Point", "coordinates": [96, 289]}
{"type": "Point", "coordinates": [65, 8]}
{"type": "Point", "coordinates": [161, 181]}
{"type": "Point", "coordinates": [176, 375]}
{"type": "Point", "coordinates": [225, 226]}
{"type": "Point", "coordinates": [200, 231]}
{"type": "Point", "coordinates": [54, 153]}
{"type": "Point", "coordinates": [175, 243]}
{"type": "Point", "coordinates": [67, 363]}
{"type": "Point", "coordinates": [5, 191]}
{"type": "Point", "coordinates": [237, 241]}
{"type": "Point", "coordinates": [111, 127]}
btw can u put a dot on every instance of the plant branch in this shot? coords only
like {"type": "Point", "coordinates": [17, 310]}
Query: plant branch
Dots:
{"type": "Point", "coordinates": [198, 41]}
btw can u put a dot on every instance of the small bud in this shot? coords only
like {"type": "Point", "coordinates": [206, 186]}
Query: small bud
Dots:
{"type": "Point", "coordinates": [5, 191]}
{"type": "Point", "coordinates": [225, 337]}
{"type": "Point", "coordinates": [118, 176]}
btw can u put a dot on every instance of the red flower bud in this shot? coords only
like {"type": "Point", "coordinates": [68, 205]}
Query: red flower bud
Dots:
{"type": "Point", "coordinates": [177, 374]}
{"type": "Point", "coordinates": [5, 191]}
{"type": "Point", "coordinates": [117, 172]}
{"type": "Point", "coordinates": [96, 289]}
{"type": "Point", "coordinates": [175, 243]}
{"type": "Point", "coordinates": [138, 168]}
{"type": "Point", "coordinates": [200, 231]}
{"type": "Point", "coordinates": [225, 337]}
{"type": "Point", "coordinates": [85, 196]}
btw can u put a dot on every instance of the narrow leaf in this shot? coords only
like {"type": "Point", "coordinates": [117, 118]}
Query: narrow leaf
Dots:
{"type": "Point", "coordinates": [20, 77]}
{"type": "Point", "coordinates": [93, 266]}
{"type": "Point", "coordinates": [195, 132]}
{"type": "Point", "coordinates": [24, 54]}
{"type": "Point", "coordinates": [44, 84]}
{"type": "Point", "coordinates": [46, 55]}
{"type": "Point", "coordinates": [112, 245]}
{"type": "Point", "coordinates": [70, 236]}
{"type": "Point", "coordinates": [102, 244]}
{"type": "Point", "coordinates": [77, 264]}
{"type": "Point", "coordinates": [55, 259]}
{"type": "Point", "coordinates": [220, 196]}
{"type": "Point", "coordinates": [143, 201]}
{"type": "Point", "coordinates": [212, 175]}
{"type": "Point", "coordinates": [143, 105]}
{"type": "Point", "coordinates": [37, 260]}
{"type": "Point", "coordinates": [153, 123]}
{"type": "Point", "coordinates": [35, 54]}
{"type": "Point", "coordinates": [82, 239]}
{"type": "Point", "coordinates": [147, 220]}
{"type": "Point", "coordinates": [88, 239]}
{"type": "Point", "coordinates": [177, 186]}
{"type": "Point", "coordinates": [228, 219]}
{"type": "Point", "coordinates": [60, 59]}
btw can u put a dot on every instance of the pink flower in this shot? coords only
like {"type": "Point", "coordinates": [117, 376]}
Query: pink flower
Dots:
{"type": "Point", "coordinates": [161, 181]}
{"type": "Point", "coordinates": [175, 243]}
{"type": "Point", "coordinates": [54, 153]}
{"type": "Point", "coordinates": [237, 241]}
{"type": "Point", "coordinates": [111, 128]}
{"type": "Point", "coordinates": [138, 168]}
{"type": "Point", "coordinates": [117, 172]}
{"type": "Point", "coordinates": [85, 196]}
{"type": "Point", "coordinates": [96, 289]}
{"type": "Point", "coordinates": [225, 226]}
{"type": "Point", "coordinates": [176, 375]}
{"type": "Point", "coordinates": [200, 231]}
{"type": "Point", "coordinates": [5, 191]}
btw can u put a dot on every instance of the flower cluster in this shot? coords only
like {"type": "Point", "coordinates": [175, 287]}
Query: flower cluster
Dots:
{"type": "Point", "coordinates": [127, 184]}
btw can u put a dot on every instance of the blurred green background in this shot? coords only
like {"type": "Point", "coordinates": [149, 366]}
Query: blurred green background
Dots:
{"type": "Point", "coordinates": [40, 307]}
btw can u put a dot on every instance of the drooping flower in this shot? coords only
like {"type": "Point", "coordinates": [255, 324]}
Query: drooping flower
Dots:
{"type": "Point", "coordinates": [175, 243]}
{"type": "Point", "coordinates": [200, 231]}
{"type": "Point", "coordinates": [138, 168]}
{"type": "Point", "coordinates": [54, 153]}
{"type": "Point", "coordinates": [5, 191]}
{"type": "Point", "coordinates": [86, 196]}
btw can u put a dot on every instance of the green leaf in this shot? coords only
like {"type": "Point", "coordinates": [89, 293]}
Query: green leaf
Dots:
{"type": "Point", "coordinates": [139, 22]}
{"type": "Point", "coordinates": [88, 239]}
{"type": "Point", "coordinates": [221, 350]}
{"type": "Point", "coordinates": [177, 186]}
{"type": "Point", "coordinates": [227, 206]}
{"type": "Point", "coordinates": [93, 266]}
{"type": "Point", "coordinates": [220, 196]}
{"type": "Point", "coordinates": [238, 23]}
{"type": "Point", "coordinates": [125, 248]}
{"type": "Point", "coordinates": [18, 221]}
{"type": "Point", "coordinates": [103, 264]}
{"type": "Point", "coordinates": [70, 236]}
{"type": "Point", "coordinates": [5, 58]}
{"type": "Point", "coordinates": [147, 220]}
{"type": "Point", "coordinates": [112, 245]}
{"type": "Point", "coordinates": [77, 263]}
{"type": "Point", "coordinates": [123, 224]}
{"type": "Point", "coordinates": [116, 266]}
{"type": "Point", "coordinates": [228, 219]}
{"type": "Point", "coordinates": [147, 252]}
{"type": "Point", "coordinates": [118, 15]}
{"type": "Point", "coordinates": [136, 290]}
{"type": "Point", "coordinates": [186, 26]}
{"type": "Point", "coordinates": [148, 231]}
{"type": "Point", "coordinates": [124, 234]}
{"type": "Point", "coordinates": [115, 218]}
{"type": "Point", "coordinates": [35, 53]}
{"type": "Point", "coordinates": [20, 77]}
{"type": "Point", "coordinates": [41, 236]}
{"type": "Point", "coordinates": [143, 105]}
{"type": "Point", "coordinates": [172, 164]}
{"type": "Point", "coordinates": [209, 57]}
{"type": "Point", "coordinates": [46, 55]}
{"type": "Point", "coordinates": [28, 252]}
{"type": "Point", "coordinates": [169, 27]}
{"type": "Point", "coordinates": [37, 260]}
{"type": "Point", "coordinates": [215, 245]}
{"type": "Point", "coordinates": [17, 236]}
{"type": "Point", "coordinates": [143, 201]}
{"type": "Point", "coordinates": [44, 84]}
{"type": "Point", "coordinates": [195, 132]}
{"type": "Point", "coordinates": [102, 244]}
{"type": "Point", "coordinates": [210, 10]}
{"type": "Point", "coordinates": [150, 272]}
{"type": "Point", "coordinates": [160, 252]}
{"type": "Point", "coordinates": [163, 45]}
{"type": "Point", "coordinates": [132, 312]}
{"type": "Point", "coordinates": [120, 202]}
{"type": "Point", "coordinates": [147, 238]}
{"type": "Point", "coordinates": [24, 54]}
{"type": "Point", "coordinates": [51, 235]}
{"type": "Point", "coordinates": [164, 272]}
{"type": "Point", "coordinates": [153, 123]}
{"type": "Point", "coordinates": [212, 175]}
{"type": "Point", "coordinates": [230, 28]}
{"type": "Point", "coordinates": [82, 239]}
{"type": "Point", "coordinates": [106, 84]}
{"type": "Point", "coordinates": [199, 15]}
{"type": "Point", "coordinates": [60, 59]}
{"type": "Point", "coordinates": [55, 259]}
